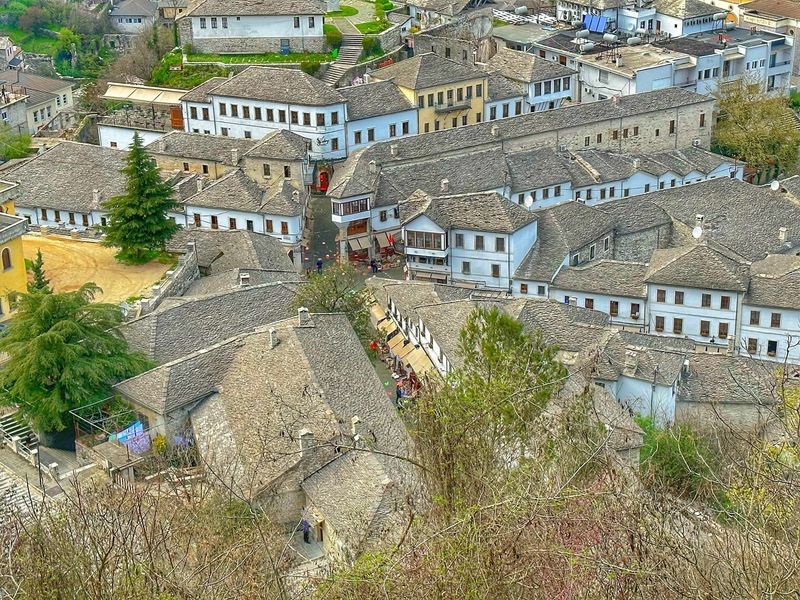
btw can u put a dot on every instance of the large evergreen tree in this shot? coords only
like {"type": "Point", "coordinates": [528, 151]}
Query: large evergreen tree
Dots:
{"type": "Point", "coordinates": [64, 351]}
{"type": "Point", "coordinates": [40, 282]}
{"type": "Point", "coordinates": [138, 222]}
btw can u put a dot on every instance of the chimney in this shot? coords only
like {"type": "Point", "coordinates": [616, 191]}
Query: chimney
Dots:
{"type": "Point", "coordinates": [273, 338]}
{"type": "Point", "coordinates": [199, 184]}
{"type": "Point", "coordinates": [615, 100]}
{"type": "Point", "coordinates": [244, 279]}
{"type": "Point", "coordinates": [373, 167]}
{"type": "Point", "coordinates": [355, 426]}
{"type": "Point", "coordinates": [302, 317]}
{"type": "Point", "coordinates": [445, 186]}
{"type": "Point", "coordinates": [96, 197]}
{"type": "Point", "coordinates": [637, 163]}
{"type": "Point", "coordinates": [630, 363]}
{"type": "Point", "coordinates": [295, 195]}
{"type": "Point", "coordinates": [190, 246]}
{"type": "Point", "coordinates": [393, 149]}
{"type": "Point", "coordinates": [495, 131]}
{"type": "Point", "coordinates": [306, 443]}
{"type": "Point", "coordinates": [698, 220]}
{"type": "Point", "coordinates": [782, 233]}
{"type": "Point", "coordinates": [235, 156]}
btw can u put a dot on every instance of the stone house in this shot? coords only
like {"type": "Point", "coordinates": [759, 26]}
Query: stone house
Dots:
{"type": "Point", "coordinates": [45, 97]}
{"type": "Point", "coordinates": [133, 16]}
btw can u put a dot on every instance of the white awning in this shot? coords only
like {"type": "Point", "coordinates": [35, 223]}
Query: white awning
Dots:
{"type": "Point", "coordinates": [143, 94]}
{"type": "Point", "coordinates": [359, 243]}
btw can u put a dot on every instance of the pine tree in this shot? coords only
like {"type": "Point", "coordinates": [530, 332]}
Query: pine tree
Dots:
{"type": "Point", "coordinates": [40, 282]}
{"type": "Point", "coordinates": [64, 351]}
{"type": "Point", "coordinates": [138, 222]}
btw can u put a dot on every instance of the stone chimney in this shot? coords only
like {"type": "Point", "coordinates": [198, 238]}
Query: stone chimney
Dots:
{"type": "Point", "coordinates": [355, 426]}
{"type": "Point", "coordinates": [393, 149]}
{"type": "Point", "coordinates": [615, 100]}
{"type": "Point", "coordinates": [698, 220]}
{"type": "Point", "coordinates": [244, 279]}
{"type": "Point", "coordinates": [495, 131]}
{"type": "Point", "coordinates": [200, 184]}
{"type": "Point", "coordinates": [445, 186]}
{"type": "Point", "coordinates": [190, 246]}
{"type": "Point", "coordinates": [782, 234]}
{"type": "Point", "coordinates": [303, 318]}
{"type": "Point", "coordinates": [295, 195]}
{"type": "Point", "coordinates": [306, 443]}
{"type": "Point", "coordinates": [273, 338]}
{"type": "Point", "coordinates": [373, 167]}
{"type": "Point", "coordinates": [630, 363]}
{"type": "Point", "coordinates": [637, 163]}
{"type": "Point", "coordinates": [96, 197]}
{"type": "Point", "coordinates": [235, 156]}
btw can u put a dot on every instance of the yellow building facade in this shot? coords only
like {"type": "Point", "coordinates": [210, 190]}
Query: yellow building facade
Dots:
{"type": "Point", "coordinates": [13, 274]}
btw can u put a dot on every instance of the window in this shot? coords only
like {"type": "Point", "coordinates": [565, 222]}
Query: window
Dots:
{"type": "Point", "coordinates": [335, 118]}
{"type": "Point", "coordinates": [752, 345]}
{"type": "Point", "coordinates": [592, 251]}
{"type": "Point", "coordinates": [725, 302]}
{"type": "Point", "coordinates": [723, 331]}
{"type": "Point", "coordinates": [540, 290]}
{"type": "Point", "coordinates": [677, 325]}
{"type": "Point", "coordinates": [599, 138]}
{"type": "Point", "coordinates": [430, 101]}
{"type": "Point", "coordinates": [294, 117]}
{"type": "Point", "coordinates": [672, 127]}
{"type": "Point", "coordinates": [602, 76]}
{"type": "Point", "coordinates": [383, 216]}
{"type": "Point", "coordinates": [205, 114]}
{"type": "Point", "coordinates": [270, 114]}
{"type": "Point", "coordinates": [249, 225]}
{"type": "Point", "coordinates": [224, 22]}
{"type": "Point", "coordinates": [307, 119]}
{"type": "Point", "coordinates": [213, 22]}
{"type": "Point", "coordinates": [311, 22]}
{"type": "Point", "coordinates": [634, 310]}
{"type": "Point", "coordinates": [269, 227]}
{"type": "Point", "coordinates": [287, 171]}
{"type": "Point", "coordinates": [625, 133]}
{"type": "Point", "coordinates": [357, 137]}
{"type": "Point", "coordinates": [661, 185]}
{"type": "Point", "coordinates": [297, 22]}
{"type": "Point", "coordinates": [245, 112]}
{"type": "Point", "coordinates": [557, 191]}
{"type": "Point", "coordinates": [371, 135]}
{"type": "Point", "coordinates": [58, 215]}
{"type": "Point", "coordinates": [193, 112]}
{"type": "Point", "coordinates": [672, 183]}
{"type": "Point", "coordinates": [465, 267]}
{"type": "Point", "coordinates": [587, 140]}
{"type": "Point", "coordinates": [492, 113]}
{"type": "Point", "coordinates": [702, 119]}
{"type": "Point", "coordinates": [459, 241]}
{"type": "Point", "coordinates": [545, 193]}
{"type": "Point", "coordinates": [565, 84]}
{"type": "Point", "coordinates": [447, 52]}
{"type": "Point", "coordinates": [223, 109]}
{"type": "Point", "coordinates": [606, 244]}
{"type": "Point", "coordinates": [392, 130]}
{"type": "Point", "coordinates": [186, 166]}
{"type": "Point", "coordinates": [265, 170]}
{"type": "Point", "coordinates": [775, 320]}
{"type": "Point", "coordinates": [500, 244]}
{"type": "Point", "coordinates": [505, 111]}
{"type": "Point", "coordinates": [646, 187]}
{"type": "Point", "coordinates": [85, 220]}
{"type": "Point", "coordinates": [282, 116]}
{"type": "Point", "coordinates": [661, 295]}
{"type": "Point", "coordinates": [589, 302]}
{"type": "Point", "coordinates": [755, 317]}
{"type": "Point", "coordinates": [202, 23]}
{"type": "Point", "coordinates": [427, 128]}
{"type": "Point", "coordinates": [613, 308]}
{"type": "Point", "coordinates": [518, 108]}
{"type": "Point", "coordinates": [405, 127]}
{"type": "Point", "coordinates": [284, 227]}
{"type": "Point", "coordinates": [197, 219]}
{"type": "Point", "coordinates": [523, 288]}
{"type": "Point", "coordinates": [495, 270]}
{"type": "Point", "coordinates": [248, 135]}
{"type": "Point", "coordinates": [602, 193]}
{"type": "Point", "coordinates": [440, 98]}
{"type": "Point", "coordinates": [537, 89]}
{"type": "Point", "coordinates": [678, 297]}
{"type": "Point", "coordinates": [659, 323]}
{"type": "Point", "coordinates": [478, 242]}
{"type": "Point", "coordinates": [705, 328]}
{"type": "Point", "coordinates": [425, 240]}
{"type": "Point", "coordinates": [706, 301]}
{"type": "Point", "coordinates": [636, 130]}
{"type": "Point", "coordinates": [615, 134]}
{"type": "Point", "coordinates": [658, 132]}
{"type": "Point", "coordinates": [231, 223]}
{"type": "Point", "coordinates": [479, 90]}
{"type": "Point", "coordinates": [464, 119]}
{"type": "Point", "coordinates": [320, 119]}
{"type": "Point", "coordinates": [214, 222]}
{"type": "Point", "coordinates": [224, 131]}
{"type": "Point", "coordinates": [334, 144]}
{"type": "Point", "coordinates": [234, 110]}
{"type": "Point", "coordinates": [772, 347]}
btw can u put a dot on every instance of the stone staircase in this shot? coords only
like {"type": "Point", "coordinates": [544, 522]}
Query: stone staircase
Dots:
{"type": "Point", "coordinates": [14, 496]}
{"type": "Point", "coordinates": [349, 53]}
{"type": "Point", "coordinates": [12, 428]}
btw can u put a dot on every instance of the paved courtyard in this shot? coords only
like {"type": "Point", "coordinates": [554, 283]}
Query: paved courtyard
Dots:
{"type": "Point", "coordinates": [71, 263]}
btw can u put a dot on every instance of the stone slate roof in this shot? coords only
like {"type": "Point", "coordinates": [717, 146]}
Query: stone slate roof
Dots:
{"type": "Point", "coordinates": [409, 296]}
{"type": "Point", "coordinates": [280, 145]}
{"type": "Point", "coordinates": [537, 168]}
{"type": "Point", "coordinates": [211, 8]}
{"type": "Point", "coordinates": [135, 8]}
{"type": "Point", "coordinates": [775, 282]}
{"type": "Point", "coordinates": [426, 71]}
{"type": "Point", "coordinates": [173, 332]}
{"type": "Point", "coordinates": [658, 359]}
{"type": "Point", "coordinates": [685, 9]}
{"type": "Point", "coordinates": [479, 212]}
{"type": "Point", "coordinates": [236, 191]}
{"type": "Point", "coordinates": [561, 229]}
{"type": "Point", "coordinates": [229, 281]}
{"type": "Point", "coordinates": [65, 177]}
{"type": "Point", "coordinates": [35, 83]}
{"type": "Point", "coordinates": [202, 91]}
{"type": "Point", "coordinates": [723, 379]}
{"type": "Point", "coordinates": [448, 8]}
{"type": "Point", "coordinates": [373, 100]}
{"type": "Point", "coordinates": [701, 266]}
{"type": "Point", "coordinates": [740, 216]}
{"type": "Point", "coordinates": [571, 328]}
{"type": "Point", "coordinates": [274, 84]}
{"type": "Point", "coordinates": [353, 177]}
{"type": "Point", "coordinates": [525, 67]}
{"type": "Point", "coordinates": [633, 214]}
{"type": "Point", "coordinates": [198, 146]}
{"type": "Point", "coordinates": [608, 277]}
{"type": "Point", "coordinates": [503, 88]}
{"type": "Point", "coordinates": [220, 250]}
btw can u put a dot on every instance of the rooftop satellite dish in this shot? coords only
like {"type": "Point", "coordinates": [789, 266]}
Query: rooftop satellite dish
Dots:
{"type": "Point", "coordinates": [697, 232]}
{"type": "Point", "coordinates": [775, 185]}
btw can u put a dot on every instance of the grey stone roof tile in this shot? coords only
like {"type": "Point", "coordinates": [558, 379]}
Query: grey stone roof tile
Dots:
{"type": "Point", "coordinates": [775, 282]}
{"type": "Point", "coordinates": [425, 71]}
{"type": "Point", "coordinates": [723, 379]}
{"type": "Point", "coordinates": [219, 250]}
{"type": "Point", "coordinates": [700, 266]}
{"type": "Point", "coordinates": [258, 7]}
{"type": "Point", "coordinates": [373, 100]}
{"type": "Point", "coordinates": [236, 191]}
{"type": "Point", "coordinates": [609, 277]}
{"type": "Point", "coordinates": [274, 84]}
{"type": "Point", "coordinates": [525, 67]}
{"type": "Point", "coordinates": [282, 145]}
{"type": "Point", "coordinates": [199, 146]}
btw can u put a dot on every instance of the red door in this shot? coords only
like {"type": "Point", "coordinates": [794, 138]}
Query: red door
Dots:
{"type": "Point", "coordinates": [323, 181]}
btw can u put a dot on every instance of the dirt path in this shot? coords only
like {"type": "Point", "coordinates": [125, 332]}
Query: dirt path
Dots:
{"type": "Point", "coordinates": [71, 263]}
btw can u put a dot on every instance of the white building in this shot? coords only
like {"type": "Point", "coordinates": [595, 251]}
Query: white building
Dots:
{"type": "Point", "coordinates": [377, 112]}
{"type": "Point", "coordinates": [133, 16]}
{"type": "Point", "coordinates": [477, 239]}
{"type": "Point", "coordinates": [260, 100]}
{"type": "Point", "coordinates": [231, 26]}
{"type": "Point", "coordinates": [430, 13]}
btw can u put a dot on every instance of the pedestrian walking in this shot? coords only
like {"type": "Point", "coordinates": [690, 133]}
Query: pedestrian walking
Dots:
{"type": "Point", "coordinates": [319, 265]}
{"type": "Point", "coordinates": [306, 530]}
{"type": "Point", "coordinates": [374, 265]}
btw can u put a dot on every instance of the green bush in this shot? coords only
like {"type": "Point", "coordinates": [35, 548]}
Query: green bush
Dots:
{"type": "Point", "coordinates": [371, 46]}
{"type": "Point", "coordinates": [333, 36]}
{"type": "Point", "coordinates": [309, 67]}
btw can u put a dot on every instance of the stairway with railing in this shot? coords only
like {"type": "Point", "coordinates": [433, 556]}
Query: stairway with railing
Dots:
{"type": "Point", "coordinates": [349, 53]}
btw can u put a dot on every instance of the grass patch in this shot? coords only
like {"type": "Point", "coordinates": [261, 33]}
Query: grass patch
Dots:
{"type": "Point", "coordinates": [372, 27]}
{"type": "Point", "coordinates": [37, 44]}
{"type": "Point", "coordinates": [264, 58]}
{"type": "Point", "coordinates": [344, 11]}
{"type": "Point", "coordinates": [191, 76]}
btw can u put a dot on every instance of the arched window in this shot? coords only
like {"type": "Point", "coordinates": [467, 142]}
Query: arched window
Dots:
{"type": "Point", "coordinates": [6, 259]}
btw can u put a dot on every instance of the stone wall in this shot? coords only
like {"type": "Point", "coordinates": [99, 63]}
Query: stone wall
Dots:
{"type": "Point", "coordinates": [390, 39]}
{"type": "Point", "coordinates": [639, 246]}
{"type": "Point", "coordinates": [175, 283]}
{"type": "Point", "coordinates": [465, 41]}
{"type": "Point", "coordinates": [361, 69]}
{"type": "Point", "coordinates": [255, 45]}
